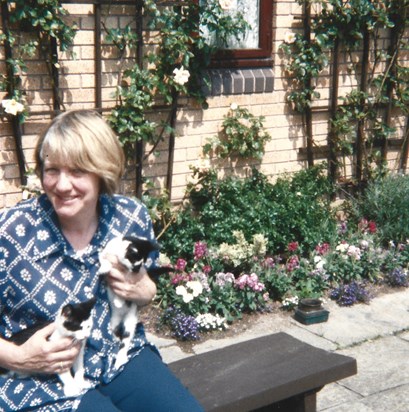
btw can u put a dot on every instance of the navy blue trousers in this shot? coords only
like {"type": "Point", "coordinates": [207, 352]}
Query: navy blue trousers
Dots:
{"type": "Point", "coordinates": [145, 385]}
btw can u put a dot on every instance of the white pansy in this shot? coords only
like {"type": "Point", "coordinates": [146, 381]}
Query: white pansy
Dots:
{"type": "Point", "coordinates": [196, 287]}
{"type": "Point", "coordinates": [181, 76]}
{"type": "Point", "coordinates": [186, 296]}
{"type": "Point", "coordinates": [234, 106]}
{"type": "Point", "coordinates": [12, 106]}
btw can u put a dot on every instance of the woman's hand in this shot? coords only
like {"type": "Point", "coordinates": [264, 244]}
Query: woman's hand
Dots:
{"type": "Point", "coordinates": [39, 355]}
{"type": "Point", "coordinates": [136, 287]}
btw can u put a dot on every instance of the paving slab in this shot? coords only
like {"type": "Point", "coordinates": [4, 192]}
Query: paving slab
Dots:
{"type": "Point", "coordinates": [376, 335]}
{"type": "Point", "coordinates": [383, 364]}
{"type": "Point", "coordinates": [335, 394]}
{"type": "Point", "coordinates": [393, 400]}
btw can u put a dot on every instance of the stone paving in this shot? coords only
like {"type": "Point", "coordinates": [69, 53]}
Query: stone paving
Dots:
{"type": "Point", "coordinates": [376, 335]}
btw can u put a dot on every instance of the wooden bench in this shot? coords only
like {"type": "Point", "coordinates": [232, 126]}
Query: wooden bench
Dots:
{"type": "Point", "coordinates": [275, 372]}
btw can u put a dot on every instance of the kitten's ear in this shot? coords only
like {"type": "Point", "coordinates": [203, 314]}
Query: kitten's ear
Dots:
{"type": "Point", "coordinates": [66, 310]}
{"type": "Point", "coordinates": [89, 304]}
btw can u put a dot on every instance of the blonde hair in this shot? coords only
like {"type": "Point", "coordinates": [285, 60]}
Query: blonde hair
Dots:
{"type": "Point", "coordinates": [83, 139]}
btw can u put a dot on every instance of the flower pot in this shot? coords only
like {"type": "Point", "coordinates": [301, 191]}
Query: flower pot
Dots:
{"type": "Point", "coordinates": [310, 311]}
{"type": "Point", "coordinates": [309, 305]}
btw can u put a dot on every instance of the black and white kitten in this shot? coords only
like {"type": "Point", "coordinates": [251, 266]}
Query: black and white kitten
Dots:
{"type": "Point", "coordinates": [132, 252]}
{"type": "Point", "coordinates": [73, 320]}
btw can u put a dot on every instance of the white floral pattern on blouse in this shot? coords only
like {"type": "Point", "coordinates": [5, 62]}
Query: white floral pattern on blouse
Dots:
{"type": "Point", "coordinates": [40, 272]}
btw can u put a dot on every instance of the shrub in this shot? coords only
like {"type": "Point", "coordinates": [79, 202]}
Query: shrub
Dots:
{"type": "Point", "coordinates": [385, 201]}
{"type": "Point", "coordinates": [295, 208]}
{"type": "Point", "coordinates": [397, 277]}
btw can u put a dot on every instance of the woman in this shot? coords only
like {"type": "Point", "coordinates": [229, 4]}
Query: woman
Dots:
{"type": "Point", "coordinates": [49, 249]}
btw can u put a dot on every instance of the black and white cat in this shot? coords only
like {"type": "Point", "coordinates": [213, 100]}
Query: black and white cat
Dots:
{"type": "Point", "coordinates": [132, 252]}
{"type": "Point", "coordinates": [75, 321]}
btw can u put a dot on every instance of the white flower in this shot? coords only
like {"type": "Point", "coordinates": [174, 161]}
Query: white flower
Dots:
{"type": "Point", "coordinates": [227, 4]}
{"type": "Point", "coordinates": [20, 230]}
{"type": "Point", "coordinates": [354, 252]}
{"type": "Point", "coordinates": [182, 291]}
{"type": "Point", "coordinates": [19, 388]}
{"type": "Point", "coordinates": [96, 334]}
{"type": "Point", "coordinates": [289, 37]}
{"type": "Point", "coordinates": [234, 106]}
{"type": "Point", "coordinates": [12, 106]}
{"type": "Point", "coordinates": [33, 183]}
{"type": "Point", "coordinates": [181, 76]}
{"type": "Point", "coordinates": [196, 287]}
{"type": "Point", "coordinates": [25, 275]}
{"type": "Point", "coordinates": [49, 297]}
{"type": "Point", "coordinates": [319, 262]}
{"type": "Point", "coordinates": [42, 235]}
{"type": "Point", "coordinates": [342, 247]}
{"type": "Point", "coordinates": [364, 244]}
{"type": "Point", "coordinates": [163, 260]}
{"type": "Point", "coordinates": [207, 321]}
{"type": "Point", "coordinates": [66, 274]}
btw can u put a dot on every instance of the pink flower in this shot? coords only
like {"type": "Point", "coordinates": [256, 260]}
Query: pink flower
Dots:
{"type": "Point", "coordinates": [372, 227]}
{"type": "Point", "coordinates": [181, 264]}
{"type": "Point", "coordinates": [268, 262]}
{"type": "Point", "coordinates": [292, 246]}
{"type": "Point", "coordinates": [200, 250]}
{"type": "Point", "coordinates": [293, 263]}
{"type": "Point", "coordinates": [322, 248]}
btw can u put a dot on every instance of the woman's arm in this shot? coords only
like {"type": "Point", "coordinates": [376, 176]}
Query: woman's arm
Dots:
{"type": "Point", "coordinates": [137, 287]}
{"type": "Point", "coordinates": [38, 354]}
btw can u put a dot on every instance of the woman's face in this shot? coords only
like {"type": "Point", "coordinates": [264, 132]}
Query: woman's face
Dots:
{"type": "Point", "coordinates": [73, 192]}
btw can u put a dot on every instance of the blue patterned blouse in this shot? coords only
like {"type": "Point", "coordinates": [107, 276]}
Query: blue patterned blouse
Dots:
{"type": "Point", "coordinates": [40, 272]}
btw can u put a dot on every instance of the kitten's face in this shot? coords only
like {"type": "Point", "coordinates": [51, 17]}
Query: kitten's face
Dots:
{"type": "Point", "coordinates": [76, 319]}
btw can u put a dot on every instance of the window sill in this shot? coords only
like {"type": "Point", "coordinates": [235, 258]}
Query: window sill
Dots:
{"type": "Point", "coordinates": [240, 81]}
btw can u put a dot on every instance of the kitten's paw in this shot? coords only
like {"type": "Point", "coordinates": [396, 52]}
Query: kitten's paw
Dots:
{"type": "Point", "coordinates": [71, 390]}
{"type": "Point", "coordinates": [121, 359]}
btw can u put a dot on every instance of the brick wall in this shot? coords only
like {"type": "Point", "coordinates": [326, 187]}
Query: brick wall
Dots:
{"type": "Point", "coordinates": [263, 92]}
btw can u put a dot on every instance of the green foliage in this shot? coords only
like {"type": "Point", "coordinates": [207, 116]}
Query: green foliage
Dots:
{"type": "Point", "coordinates": [293, 209]}
{"type": "Point", "coordinates": [305, 61]}
{"type": "Point", "coordinates": [348, 24]}
{"type": "Point", "coordinates": [385, 201]}
{"type": "Point", "coordinates": [242, 135]}
{"type": "Point", "coordinates": [177, 65]}
{"type": "Point", "coordinates": [46, 20]}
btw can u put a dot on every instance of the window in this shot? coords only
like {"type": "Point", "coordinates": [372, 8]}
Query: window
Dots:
{"type": "Point", "coordinates": [255, 50]}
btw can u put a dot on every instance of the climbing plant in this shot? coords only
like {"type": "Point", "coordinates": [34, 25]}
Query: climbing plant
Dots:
{"type": "Point", "coordinates": [177, 63]}
{"type": "Point", "coordinates": [30, 27]}
{"type": "Point", "coordinates": [359, 124]}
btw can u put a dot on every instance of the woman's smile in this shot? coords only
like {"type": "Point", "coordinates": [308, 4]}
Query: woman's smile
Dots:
{"type": "Point", "coordinates": [73, 192]}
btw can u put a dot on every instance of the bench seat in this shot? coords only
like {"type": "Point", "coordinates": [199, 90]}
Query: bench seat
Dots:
{"type": "Point", "coordinates": [274, 372]}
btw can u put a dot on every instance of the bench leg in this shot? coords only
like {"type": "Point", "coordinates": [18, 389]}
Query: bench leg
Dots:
{"type": "Point", "coordinates": [305, 402]}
